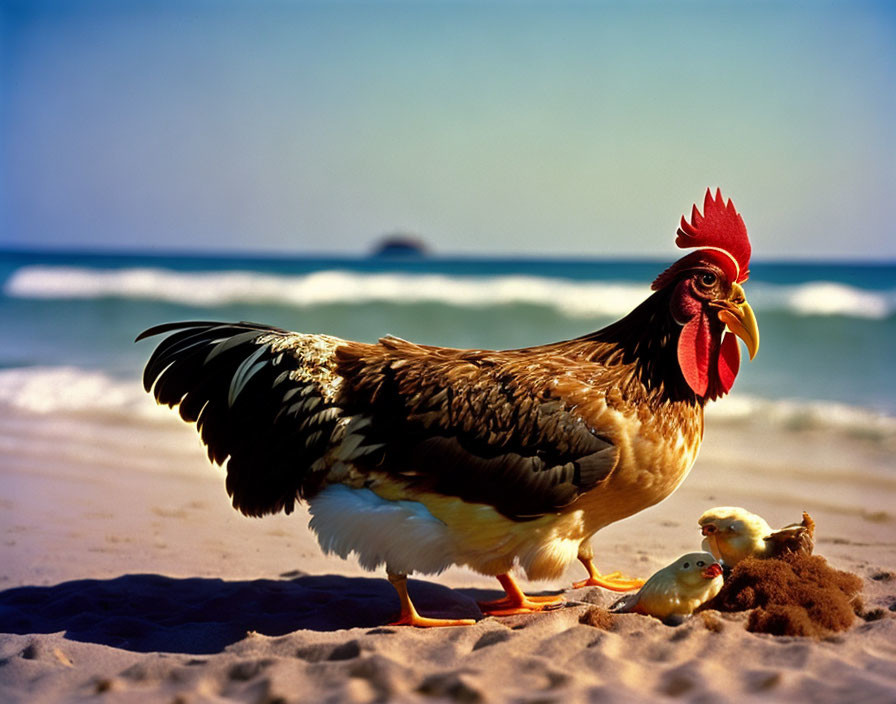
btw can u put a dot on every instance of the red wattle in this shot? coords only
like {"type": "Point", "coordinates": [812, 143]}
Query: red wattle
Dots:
{"type": "Point", "coordinates": [729, 361]}
{"type": "Point", "coordinates": [694, 345]}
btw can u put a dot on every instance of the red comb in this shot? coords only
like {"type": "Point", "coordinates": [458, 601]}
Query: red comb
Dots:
{"type": "Point", "coordinates": [721, 231]}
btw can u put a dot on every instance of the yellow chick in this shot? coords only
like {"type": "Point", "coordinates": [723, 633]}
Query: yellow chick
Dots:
{"type": "Point", "coordinates": [676, 590]}
{"type": "Point", "coordinates": [732, 533]}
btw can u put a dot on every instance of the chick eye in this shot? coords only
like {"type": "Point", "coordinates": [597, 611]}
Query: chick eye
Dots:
{"type": "Point", "coordinates": [701, 563]}
{"type": "Point", "coordinates": [686, 565]}
{"type": "Point", "coordinates": [708, 279]}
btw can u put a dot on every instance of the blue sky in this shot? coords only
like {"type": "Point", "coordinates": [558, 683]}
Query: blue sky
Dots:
{"type": "Point", "coordinates": [495, 128]}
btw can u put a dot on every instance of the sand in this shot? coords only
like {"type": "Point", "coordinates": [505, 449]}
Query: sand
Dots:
{"type": "Point", "coordinates": [125, 576]}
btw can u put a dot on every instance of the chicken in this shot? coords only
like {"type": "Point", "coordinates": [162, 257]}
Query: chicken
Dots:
{"type": "Point", "coordinates": [795, 538]}
{"type": "Point", "coordinates": [733, 534]}
{"type": "Point", "coordinates": [677, 589]}
{"type": "Point", "coordinates": [418, 457]}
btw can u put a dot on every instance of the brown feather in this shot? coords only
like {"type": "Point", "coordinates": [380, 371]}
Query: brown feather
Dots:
{"type": "Point", "coordinates": [530, 431]}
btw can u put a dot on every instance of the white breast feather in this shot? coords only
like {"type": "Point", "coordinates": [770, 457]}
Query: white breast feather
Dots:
{"type": "Point", "coordinates": [403, 535]}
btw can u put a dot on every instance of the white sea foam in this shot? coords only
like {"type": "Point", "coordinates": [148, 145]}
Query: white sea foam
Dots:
{"type": "Point", "coordinates": [573, 298]}
{"type": "Point", "coordinates": [804, 415]}
{"type": "Point", "coordinates": [825, 298]}
{"type": "Point", "coordinates": [73, 391]}
{"type": "Point", "coordinates": [324, 287]}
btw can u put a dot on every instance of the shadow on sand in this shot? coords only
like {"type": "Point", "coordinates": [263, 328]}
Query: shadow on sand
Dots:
{"type": "Point", "coordinates": [150, 612]}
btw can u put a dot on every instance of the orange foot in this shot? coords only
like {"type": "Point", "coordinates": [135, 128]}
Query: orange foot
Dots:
{"type": "Point", "coordinates": [509, 606]}
{"type": "Point", "coordinates": [418, 621]}
{"type": "Point", "coordinates": [409, 615]}
{"type": "Point", "coordinates": [614, 581]}
{"type": "Point", "coordinates": [516, 602]}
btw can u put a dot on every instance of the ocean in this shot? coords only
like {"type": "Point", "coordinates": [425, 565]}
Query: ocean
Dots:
{"type": "Point", "coordinates": [828, 330]}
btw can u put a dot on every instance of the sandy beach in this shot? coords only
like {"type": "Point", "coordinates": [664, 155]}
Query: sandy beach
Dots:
{"type": "Point", "coordinates": [127, 577]}
{"type": "Point", "coordinates": [648, 181]}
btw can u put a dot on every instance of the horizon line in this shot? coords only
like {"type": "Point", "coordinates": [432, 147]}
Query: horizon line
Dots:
{"type": "Point", "coordinates": [260, 255]}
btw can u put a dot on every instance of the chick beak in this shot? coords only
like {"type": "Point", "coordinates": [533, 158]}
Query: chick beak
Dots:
{"type": "Point", "coordinates": [736, 313]}
{"type": "Point", "coordinates": [708, 529]}
{"type": "Point", "coordinates": [713, 571]}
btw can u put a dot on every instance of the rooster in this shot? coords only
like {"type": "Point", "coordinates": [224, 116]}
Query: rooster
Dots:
{"type": "Point", "coordinates": [417, 458]}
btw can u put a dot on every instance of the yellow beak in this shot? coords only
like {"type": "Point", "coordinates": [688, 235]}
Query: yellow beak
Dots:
{"type": "Point", "coordinates": [738, 316]}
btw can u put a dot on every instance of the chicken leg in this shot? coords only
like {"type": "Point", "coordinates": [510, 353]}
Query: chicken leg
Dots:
{"type": "Point", "coordinates": [409, 615]}
{"type": "Point", "coordinates": [516, 602]}
{"type": "Point", "coordinates": [614, 581]}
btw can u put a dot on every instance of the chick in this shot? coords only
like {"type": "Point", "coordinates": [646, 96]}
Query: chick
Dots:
{"type": "Point", "coordinates": [676, 590]}
{"type": "Point", "coordinates": [794, 538]}
{"type": "Point", "coordinates": [733, 533]}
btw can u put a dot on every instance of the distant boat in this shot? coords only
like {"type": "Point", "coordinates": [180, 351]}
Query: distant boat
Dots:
{"type": "Point", "coordinates": [400, 246]}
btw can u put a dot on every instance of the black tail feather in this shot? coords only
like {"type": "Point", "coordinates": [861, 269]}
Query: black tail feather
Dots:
{"type": "Point", "coordinates": [240, 416]}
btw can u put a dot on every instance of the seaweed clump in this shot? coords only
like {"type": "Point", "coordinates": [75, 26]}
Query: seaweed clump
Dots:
{"type": "Point", "coordinates": [794, 595]}
{"type": "Point", "coordinates": [599, 618]}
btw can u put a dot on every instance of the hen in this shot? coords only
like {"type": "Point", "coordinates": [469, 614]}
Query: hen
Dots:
{"type": "Point", "coordinates": [418, 457]}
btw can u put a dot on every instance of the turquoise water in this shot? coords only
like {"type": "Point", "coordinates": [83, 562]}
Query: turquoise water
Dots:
{"type": "Point", "coordinates": [828, 330]}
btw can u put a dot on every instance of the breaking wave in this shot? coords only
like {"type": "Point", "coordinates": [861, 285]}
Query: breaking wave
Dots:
{"type": "Point", "coordinates": [76, 391]}
{"type": "Point", "coordinates": [570, 297]}
{"type": "Point", "coordinates": [825, 298]}
{"type": "Point", "coordinates": [46, 391]}
{"type": "Point", "coordinates": [803, 415]}
{"type": "Point", "coordinates": [323, 288]}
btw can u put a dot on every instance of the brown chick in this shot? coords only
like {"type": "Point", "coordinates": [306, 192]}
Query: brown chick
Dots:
{"type": "Point", "coordinates": [798, 538]}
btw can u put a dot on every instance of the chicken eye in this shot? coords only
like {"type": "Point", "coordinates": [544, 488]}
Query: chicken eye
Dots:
{"type": "Point", "coordinates": [708, 279]}
{"type": "Point", "coordinates": [701, 563]}
{"type": "Point", "coordinates": [686, 565]}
